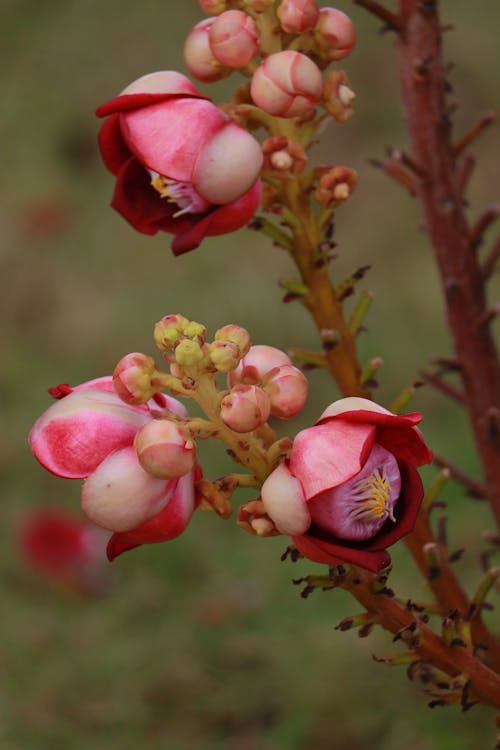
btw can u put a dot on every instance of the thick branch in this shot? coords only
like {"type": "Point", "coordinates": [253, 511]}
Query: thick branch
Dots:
{"type": "Point", "coordinates": [423, 88]}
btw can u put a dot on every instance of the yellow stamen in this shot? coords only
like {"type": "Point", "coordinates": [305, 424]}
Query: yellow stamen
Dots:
{"type": "Point", "coordinates": [373, 493]}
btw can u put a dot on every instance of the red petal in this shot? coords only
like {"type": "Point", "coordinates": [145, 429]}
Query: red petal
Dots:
{"type": "Point", "coordinates": [135, 101]}
{"type": "Point", "coordinates": [328, 454]}
{"type": "Point", "coordinates": [166, 525]}
{"type": "Point", "coordinates": [395, 432]}
{"type": "Point", "coordinates": [332, 554]}
{"type": "Point", "coordinates": [114, 150]}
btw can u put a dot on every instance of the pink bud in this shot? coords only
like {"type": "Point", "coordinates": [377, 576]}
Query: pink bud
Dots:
{"type": "Point", "coordinates": [119, 495]}
{"type": "Point", "coordinates": [132, 378]}
{"type": "Point", "coordinates": [287, 388]}
{"type": "Point", "coordinates": [234, 38]}
{"type": "Point", "coordinates": [224, 355]}
{"type": "Point", "coordinates": [245, 408]}
{"type": "Point", "coordinates": [287, 84]}
{"type": "Point", "coordinates": [165, 449]}
{"type": "Point", "coordinates": [335, 34]}
{"type": "Point", "coordinates": [236, 335]}
{"type": "Point", "coordinates": [285, 503]}
{"type": "Point", "coordinates": [297, 16]}
{"type": "Point", "coordinates": [257, 363]}
{"type": "Point", "coordinates": [198, 56]}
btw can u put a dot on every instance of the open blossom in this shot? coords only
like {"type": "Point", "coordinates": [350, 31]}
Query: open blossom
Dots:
{"type": "Point", "coordinates": [182, 166]}
{"type": "Point", "coordinates": [89, 434]}
{"type": "Point", "coordinates": [350, 488]}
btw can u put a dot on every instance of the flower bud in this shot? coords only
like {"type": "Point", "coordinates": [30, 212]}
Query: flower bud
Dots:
{"type": "Point", "coordinates": [188, 353]}
{"type": "Point", "coordinates": [338, 97]}
{"type": "Point", "coordinates": [287, 84]}
{"type": "Point", "coordinates": [132, 378]}
{"type": "Point", "coordinates": [234, 38]}
{"type": "Point", "coordinates": [297, 16]}
{"type": "Point", "coordinates": [287, 388]}
{"type": "Point", "coordinates": [334, 34]}
{"type": "Point", "coordinates": [198, 56]}
{"type": "Point", "coordinates": [236, 335]}
{"type": "Point", "coordinates": [335, 186]}
{"type": "Point", "coordinates": [224, 355]}
{"type": "Point", "coordinates": [195, 331]}
{"type": "Point", "coordinates": [213, 7]}
{"type": "Point", "coordinates": [282, 154]}
{"type": "Point", "coordinates": [165, 449]}
{"type": "Point", "coordinates": [257, 363]}
{"type": "Point", "coordinates": [168, 330]}
{"type": "Point", "coordinates": [245, 408]}
{"type": "Point", "coordinates": [284, 501]}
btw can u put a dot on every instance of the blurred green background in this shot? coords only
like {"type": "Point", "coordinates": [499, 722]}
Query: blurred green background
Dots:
{"type": "Point", "coordinates": [203, 643]}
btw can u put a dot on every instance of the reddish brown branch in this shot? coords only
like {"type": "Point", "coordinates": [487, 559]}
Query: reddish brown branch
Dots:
{"type": "Point", "coordinates": [475, 131]}
{"type": "Point", "coordinates": [475, 488]}
{"type": "Point", "coordinates": [483, 223]}
{"type": "Point", "coordinates": [464, 173]}
{"type": "Point", "coordinates": [423, 90]}
{"type": "Point", "coordinates": [395, 170]}
{"type": "Point", "coordinates": [491, 261]}
{"type": "Point", "coordinates": [443, 387]}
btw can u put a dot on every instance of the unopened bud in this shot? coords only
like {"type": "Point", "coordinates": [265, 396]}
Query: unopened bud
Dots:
{"type": "Point", "coordinates": [281, 160]}
{"type": "Point", "coordinates": [283, 154]}
{"type": "Point", "coordinates": [245, 408]}
{"type": "Point", "coordinates": [297, 16]}
{"type": "Point", "coordinates": [234, 38]}
{"type": "Point", "coordinates": [335, 186]}
{"type": "Point", "coordinates": [236, 335]}
{"type": "Point", "coordinates": [287, 84]}
{"type": "Point", "coordinates": [165, 449]}
{"type": "Point", "coordinates": [287, 388]}
{"type": "Point", "coordinates": [188, 353]}
{"type": "Point", "coordinates": [195, 331]}
{"type": "Point", "coordinates": [224, 355]}
{"type": "Point", "coordinates": [132, 378]}
{"type": "Point", "coordinates": [257, 363]}
{"type": "Point", "coordinates": [213, 7]}
{"type": "Point", "coordinates": [168, 330]}
{"type": "Point", "coordinates": [338, 97]}
{"type": "Point", "coordinates": [334, 34]}
{"type": "Point", "coordinates": [198, 56]}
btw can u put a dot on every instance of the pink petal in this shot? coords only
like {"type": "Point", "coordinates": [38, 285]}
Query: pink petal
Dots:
{"type": "Point", "coordinates": [76, 433]}
{"type": "Point", "coordinates": [166, 525]}
{"type": "Point", "coordinates": [328, 454]}
{"type": "Point", "coordinates": [167, 137]}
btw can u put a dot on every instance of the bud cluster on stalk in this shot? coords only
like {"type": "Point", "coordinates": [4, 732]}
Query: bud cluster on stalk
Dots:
{"type": "Point", "coordinates": [282, 47]}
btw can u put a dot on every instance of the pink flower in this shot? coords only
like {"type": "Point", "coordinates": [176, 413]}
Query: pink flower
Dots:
{"type": "Point", "coordinates": [64, 548]}
{"type": "Point", "coordinates": [182, 166]}
{"type": "Point", "coordinates": [350, 488]}
{"type": "Point", "coordinates": [89, 434]}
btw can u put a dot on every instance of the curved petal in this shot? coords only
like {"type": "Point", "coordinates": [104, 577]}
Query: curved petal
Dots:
{"type": "Point", "coordinates": [284, 502]}
{"type": "Point", "coordinates": [119, 494]}
{"type": "Point", "coordinates": [169, 523]}
{"type": "Point", "coordinates": [350, 404]}
{"type": "Point", "coordinates": [168, 136]}
{"type": "Point", "coordinates": [114, 150]}
{"type": "Point", "coordinates": [328, 454]}
{"type": "Point", "coordinates": [125, 102]}
{"type": "Point", "coordinates": [222, 220]}
{"type": "Point", "coordinates": [141, 205]}
{"type": "Point", "coordinates": [327, 553]}
{"type": "Point", "coordinates": [77, 432]}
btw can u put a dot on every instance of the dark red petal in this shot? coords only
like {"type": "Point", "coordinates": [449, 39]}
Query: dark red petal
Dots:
{"type": "Point", "coordinates": [332, 554]}
{"type": "Point", "coordinates": [377, 418]}
{"type": "Point", "coordinates": [135, 101]}
{"type": "Point", "coordinates": [114, 150]}
{"type": "Point", "coordinates": [139, 203]}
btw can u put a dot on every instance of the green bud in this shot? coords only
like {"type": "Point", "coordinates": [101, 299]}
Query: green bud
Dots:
{"type": "Point", "coordinates": [168, 330]}
{"type": "Point", "coordinates": [188, 353]}
{"type": "Point", "coordinates": [195, 330]}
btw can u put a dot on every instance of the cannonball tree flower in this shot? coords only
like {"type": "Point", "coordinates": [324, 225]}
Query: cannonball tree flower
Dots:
{"type": "Point", "coordinates": [89, 434]}
{"type": "Point", "coordinates": [287, 84]}
{"type": "Point", "coordinates": [182, 166]}
{"type": "Point", "coordinates": [350, 488]}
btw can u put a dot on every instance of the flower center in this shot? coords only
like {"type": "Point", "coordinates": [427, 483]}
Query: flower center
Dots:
{"type": "Point", "coordinates": [373, 497]}
{"type": "Point", "coordinates": [182, 194]}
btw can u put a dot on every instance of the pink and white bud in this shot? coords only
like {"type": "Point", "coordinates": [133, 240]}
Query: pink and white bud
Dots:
{"type": "Point", "coordinates": [297, 16]}
{"type": "Point", "coordinates": [245, 408]}
{"type": "Point", "coordinates": [287, 388]}
{"type": "Point", "coordinates": [334, 34]}
{"type": "Point", "coordinates": [132, 378]}
{"type": "Point", "coordinates": [224, 355]}
{"type": "Point", "coordinates": [198, 56]}
{"type": "Point", "coordinates": [287, 84]}
{"type": "Point", "coordinates": [285, 503]}
{"type": "Point", "coordinates": [119, 495]}
{"type": "Point", "coordinates": [257, 363]}
{"type": "Point", "coordinates": [165, 449]}
{"type": "Point", "coordinates": [234, 38]}
{"type": "Point", "coordinates": [236, 335]}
